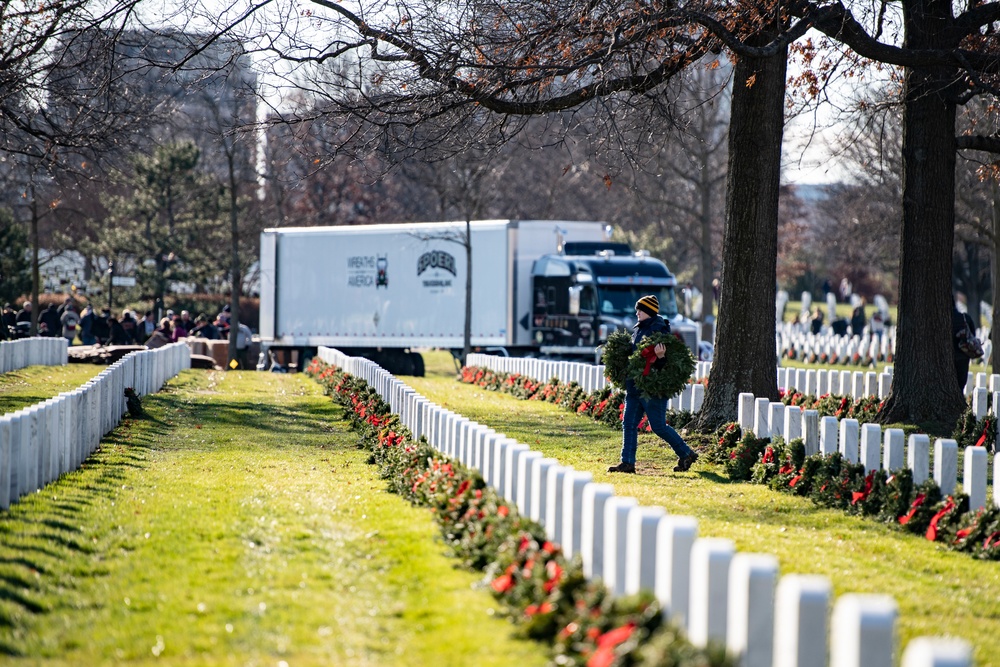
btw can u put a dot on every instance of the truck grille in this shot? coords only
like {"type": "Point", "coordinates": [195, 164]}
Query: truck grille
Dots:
{"type": "Point", "coordinates": [690, 337]}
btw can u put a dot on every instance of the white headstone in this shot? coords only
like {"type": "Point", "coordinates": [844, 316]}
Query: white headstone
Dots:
{"type": "Point", "coordinates": [573, 485]}
{"type": "Point", "coordinates": [675, 538]}
{"type": "Point", "coordinates": [894, 456]}
{"type": "Point", "coordinates": [946, 465]}
{"type": "Point", "coordinates": [801, 610]}
{"type": "Point", "coordinates": [760, 423]}
{"type": "Point", "coordinates": [750, 622]}
{"type": "Point", "coordinates": [828, 435]}
{"type": "Point", "coordinates": [6, 464]}
{"type": "Point", "coordinates": [554, 495]}
{"type": "Point", "coordinates": [745, 411]}
{"type": "Point", "coordinates": [918, 457]}
{"type": "Point", "coordinates": [871, 446]}
{"type": "Point", "coordinates": [937, 652]}
{"type": "Point", "coordinates": [539, 489]}
{"type": "Point", "coordinates": [792, 423]}
{"type": "Point", "coordinates": [640, 548]}
{"type": "Point", "coordinates": [996, 479]}
{"type": "Point", "coordinates": [709, 596]}
{"type": "Point", "coordinates": [980, 406]}
{"type": "Point", "coordinates": [863, 631]}
{"type": "Point", "coordinates": [524, 489]}
{"type": "Point", "coordinates": [848, 447]}
{"type": "Point", "coordinates": [974, 479]}
{"type": "Point", "coordinates": [616, 511]}
{"type": "Point", "coordinates": [595, 496]}
{"type": "Point", "coordinates": [810, 431]}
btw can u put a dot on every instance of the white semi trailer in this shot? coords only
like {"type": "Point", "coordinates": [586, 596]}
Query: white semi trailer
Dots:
{"type": "Point", "coordinates": [539, 288]}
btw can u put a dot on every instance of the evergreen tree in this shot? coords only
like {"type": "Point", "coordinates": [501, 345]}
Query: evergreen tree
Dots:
{"type": "Point", "coordinates": [15, 269]}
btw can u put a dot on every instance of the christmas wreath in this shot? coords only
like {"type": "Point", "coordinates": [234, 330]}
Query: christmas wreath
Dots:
{"type": "Point", "coordinates": [616, 356]}
{"type": "Point", "coordinates": [662, 382]}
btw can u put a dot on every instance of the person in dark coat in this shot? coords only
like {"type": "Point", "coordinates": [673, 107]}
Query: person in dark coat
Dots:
{"type": "Point", "coordinates": [858, 319]}
{"type": "Point", "coordinates": [24, 315]}
{"type": "Point", "coordinates": [9, 316]}
{"type": "Point", "coordinates": [204, 329]}
{"type": "Point", "coordinates": [87, 326]}
{"type": "Point", "coordinates": [647, 311]}
{"type": "Point", "coordinates": [100, 329]}
{"type": "Point", "coordinates": [50, 317]}
{"type": "Point", "coordinates": [116, 332]}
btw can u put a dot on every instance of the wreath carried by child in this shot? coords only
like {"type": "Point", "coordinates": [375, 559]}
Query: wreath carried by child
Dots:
{"type": "Point", "coordinates": [621, 363]}
{"type": "Point", "coordinates": [670, 379]}
{"type": "Point", "coordinates": [615, 357]}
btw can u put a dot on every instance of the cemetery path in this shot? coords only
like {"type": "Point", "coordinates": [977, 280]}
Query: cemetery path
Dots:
{"type": "Point", "coordinates": [237, 524]}
{"type": "Point", "coordinates": [939, 592]}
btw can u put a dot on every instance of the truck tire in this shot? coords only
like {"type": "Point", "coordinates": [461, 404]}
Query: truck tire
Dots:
{"type": "Point", "coordinates": [418, 364]}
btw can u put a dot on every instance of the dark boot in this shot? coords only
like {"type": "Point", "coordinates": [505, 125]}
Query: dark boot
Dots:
{"type": "Point", "coordinates": [685, 463]}
{"type": "Point", "coordinates": [623, 467]}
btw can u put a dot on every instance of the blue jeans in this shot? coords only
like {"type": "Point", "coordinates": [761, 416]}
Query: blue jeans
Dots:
{"type": "Point", "coordinates": [656, 410]}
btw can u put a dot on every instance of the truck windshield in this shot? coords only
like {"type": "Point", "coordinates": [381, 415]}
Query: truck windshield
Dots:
{"type": "Point", "coordinates": [620, 301]}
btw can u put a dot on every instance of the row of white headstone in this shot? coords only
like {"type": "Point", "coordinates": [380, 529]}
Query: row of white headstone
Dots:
{"type": "Point", "coordinates": [588, 376]}
{"type": "Point", "coordinates": [845, 347]}
{"type": "Point", "coordinates": [18, 354]}
{"type": "Point", "coordinates": [867, 444]}
{"type": "Point", "coordinates": [810, 381]}
{"type": "Point", "coordinates": [704, 585]}
{"type": "Point", "coordinates": [40, 443]}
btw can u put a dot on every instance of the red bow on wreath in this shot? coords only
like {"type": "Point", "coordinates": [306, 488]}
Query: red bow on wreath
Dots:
{"type": "Point", "coordinates": [982, 438]}
{"type": "Point", "coordinates": [649, 354]}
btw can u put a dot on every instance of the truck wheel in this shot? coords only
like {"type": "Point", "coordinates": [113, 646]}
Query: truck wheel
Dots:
{"type": "Point", "coordinates": [418, 364]}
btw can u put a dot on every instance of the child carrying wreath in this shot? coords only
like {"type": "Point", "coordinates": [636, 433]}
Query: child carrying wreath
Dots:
{"type": "Point", "coordinates": [652, 366]}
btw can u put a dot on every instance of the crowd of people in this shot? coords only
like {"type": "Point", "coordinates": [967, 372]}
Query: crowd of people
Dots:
{"type": "Point", "coordinates": [93, 327]}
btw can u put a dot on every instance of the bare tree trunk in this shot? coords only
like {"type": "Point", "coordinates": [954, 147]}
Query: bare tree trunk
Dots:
{"type": "Point", "coordinates": [467, 331]}
{"type": "Point", "coordinates": [234, 267]}
{"type": "Point", "coordinates": [995, 323]}
{"type": "Point", "coordinates": [924, 385]}
{"type": "Point", "coordinates": [746, 361]}
{"type": "Point", "coordinates": [707, 266]}
{"type": "Point", "coordinates": [36, 279]}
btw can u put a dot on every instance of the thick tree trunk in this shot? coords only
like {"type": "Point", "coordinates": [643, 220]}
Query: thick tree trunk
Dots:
{"type": "Point", "coordinates": [924, 386]}
{"type": "Point", "coordinates": [36, 279]}
{"type": "Point", "coordinates": [707, 265]}
{"type": "Point", "coordinates": [745, 360]}
{"type": "Point", "coordinates": [995, 322]}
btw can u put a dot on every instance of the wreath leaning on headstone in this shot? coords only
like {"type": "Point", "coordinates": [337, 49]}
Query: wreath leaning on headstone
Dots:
{"type": "Point", "coordinates": [615, 357]}
{"type": "Point", "coordinates": [667, 381]}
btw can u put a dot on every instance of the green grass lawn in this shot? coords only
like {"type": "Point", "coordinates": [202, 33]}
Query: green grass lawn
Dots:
{"type": "Point", "coordinates": [939, 592]}
{"type": "Point", "coordinates": [34, 384]}
{"type": "Point", "coordinates": [237, 525]}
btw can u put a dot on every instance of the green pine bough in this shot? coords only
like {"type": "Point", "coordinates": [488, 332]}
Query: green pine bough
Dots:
{"type": "Point", "coordinates": [615, 357]}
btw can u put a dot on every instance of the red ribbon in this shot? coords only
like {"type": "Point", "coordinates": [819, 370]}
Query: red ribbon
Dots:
{"type": "Point", "coordinates": [917, 502]}
{"type": "Point", "coordinates": [932, 529]}
{"type": "Point", "coordinates": [982, 438]}
{"type": "Point", "coordinates": [794, 480]}
{"type": "Point", "coordinates": [649, 354]}
{"type": "Point", "coordinates": [768, 455]}
{"type": "Point", "coordinates": [990, 540]}
{"type": "Point", "coordinates": [858, 496]}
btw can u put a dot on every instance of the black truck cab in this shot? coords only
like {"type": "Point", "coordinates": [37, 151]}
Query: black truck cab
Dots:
{"type": "Point", "coordinates": [583, 295]}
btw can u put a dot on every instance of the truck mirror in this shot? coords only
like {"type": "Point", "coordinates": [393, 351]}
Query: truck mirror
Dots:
{"type": "Point", "coordinates": [574, 299]}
